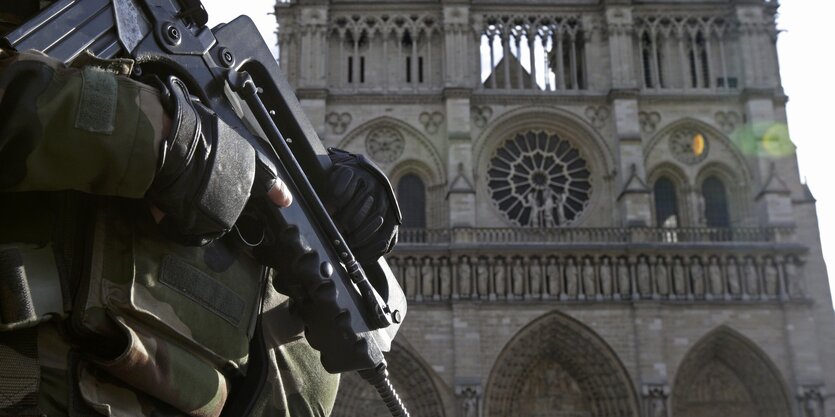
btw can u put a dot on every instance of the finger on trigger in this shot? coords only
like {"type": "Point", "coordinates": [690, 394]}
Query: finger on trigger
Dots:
{"type": "Point", "coordinates": [280, 195]}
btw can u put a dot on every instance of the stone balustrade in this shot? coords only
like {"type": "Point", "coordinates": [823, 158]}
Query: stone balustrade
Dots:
{"type": "Point", "coordinates": [489, 264]}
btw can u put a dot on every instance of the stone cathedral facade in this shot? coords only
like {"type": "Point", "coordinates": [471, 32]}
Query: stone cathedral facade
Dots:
{"type": "Point", "coordinates": [603, 212]}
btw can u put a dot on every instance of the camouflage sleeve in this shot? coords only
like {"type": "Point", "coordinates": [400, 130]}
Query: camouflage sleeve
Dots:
{"type": "Point", "coordinates": [86, 129]}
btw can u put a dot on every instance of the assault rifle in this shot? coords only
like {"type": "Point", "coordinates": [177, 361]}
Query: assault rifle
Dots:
{"type": "Point", "coordinates": [232, 71]}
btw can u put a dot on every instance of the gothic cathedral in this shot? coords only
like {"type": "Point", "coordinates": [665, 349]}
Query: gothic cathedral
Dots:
{"type": "Point", "coordinates": [603, 215]}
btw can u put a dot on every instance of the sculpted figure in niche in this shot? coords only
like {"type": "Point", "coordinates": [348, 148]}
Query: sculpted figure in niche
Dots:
{"type": "Point", "coordinates": [482, 272]}
{"type": "Point", "coordinates": [771, 279]}
{"type": "Point", "coordinates": [734, 284]}
{"type": "Point", "coordinates": [535, 277]}
{"type": "Point", "coordinates": [427, 278]}
{"type": "Point", "coordinates": [589, 285]}
{"type": "Point", "coordinates": [552, 273]}
{"type": "Point", "coordinates": [662, 284]}
{"type": "Point", "coordinates": [411, 279]}
{"type": "Point", "coordinates": [644, 283]}
{"type": "Point", "coordinates": [517, 277]}
{"type": "Point", "coordinates": [499, 277]}
{"type": "Point", "coordinates": [714, 276]}
{"type": "Point", "coordinates": [793, 278]}
{"type": "Point", "coordinates": [658, 407]}
{"type": "Point", "coordinates": [571, 278]}
{"type": "Point", "coordinates": [679, 278]}
{"type": "Point", "coordinates": [624, 286]}
{"type": "Point", "coordinates": [697, 275]}
{"type": "Point", "coordinates": [444, 279]}
{"type": "Point", "coordinates": [752, 284]}
{"type": "Point", "coordinates": [605, 277]}
{"type": "Point", "coordinates": [465, 287]}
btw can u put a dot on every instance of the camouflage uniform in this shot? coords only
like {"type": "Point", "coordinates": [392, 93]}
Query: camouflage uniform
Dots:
{"type": "Point", "coordinates": [102, 314]}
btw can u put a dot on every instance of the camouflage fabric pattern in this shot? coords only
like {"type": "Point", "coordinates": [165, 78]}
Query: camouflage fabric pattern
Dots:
{"type": "Point", "coordinates": [75, 129]}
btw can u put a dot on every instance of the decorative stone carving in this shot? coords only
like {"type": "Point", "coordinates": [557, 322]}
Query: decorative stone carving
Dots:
{"type": "Point", "coordinates": [444, 280]}
{"type": "Point", "coordinates": [338, 122]}
{"type": "Point", "coordinates": [589, 285]}
{"type": "Point", "coordinates": [469, 396]}
{"type": "Point", "coordinates": [597, 116]}
{"type": "Point", "coordinates": [481, 115]}
{"type": "Point", "coordinates": [727, 121]}
{"type": "Point", "coordinates": [517, 278]}
{"type": "Point", "coordinates": [656, 398]}
{"type": "Point", "coordinates": [465, 287]}
{"type": "Point", "coordinates": [649, 121]}
{"type": "Point", "coordinates": [752, 279]}
{"type": "Point", "coordinates": [535, 277]}
{"type": "Point", "coordinates": [770, 278]}
{"type": "Point", "coordinates": [552, 272]}
{"type": "Point", "coordinates": [794, 280]}
{"type": "Point", "coordinates": [811, 398]}
{"type": "Point", "coordinates": [385, 144]}
{"type": "Point", "coordinates": [431, 121]}
{"type": "Point", "coordinates": [427, 278]}
{"type": "Point", "coordinates": [605, 277]}
{"type": "Point", "coordinates": [662, 279]}
{"type": "Point", "coordinates": [714, 277]}
{"type": "Point", "coordinates": [537, 179]}
{"type": "Point", "coordinates": [644, 278]}
{"type": "Point", "coordinates": [411, 289]}
{"type": "Point", "coordinates": [482, 271]}
{"type": "Point", "coordinates": [679, 277]}
{"type": "Point", "coordinates": [624, 282]}
{"type": "Point", "coordinates": [571, 278]}
{"type": "Point", "coordinates": [689, 145]}
{"type": "Point", "coordinates": [734, 284]}
{"type": "Point", "coordinates": [499, 279]}
{"type": "Point", "coordinates": [697, 277]}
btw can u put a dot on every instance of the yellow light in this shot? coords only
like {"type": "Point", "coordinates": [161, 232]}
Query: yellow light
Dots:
{"type": "Point", "coordinates": [698, 144]}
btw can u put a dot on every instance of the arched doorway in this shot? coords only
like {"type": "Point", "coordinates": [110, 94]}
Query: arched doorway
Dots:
{"type": "Point", "coordinates": [725, 374]}
{"type": "Point", "coordinates": [356, 398]}
{"type": "Point", "coordinates": [558, 367]}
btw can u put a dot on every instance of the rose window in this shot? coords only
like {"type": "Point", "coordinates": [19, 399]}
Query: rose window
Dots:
{"type": "Point", "coordinates": [539, 180]}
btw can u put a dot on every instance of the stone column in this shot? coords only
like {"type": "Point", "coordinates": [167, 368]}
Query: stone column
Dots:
{"type": "Point", "coordinates": [311, 86]}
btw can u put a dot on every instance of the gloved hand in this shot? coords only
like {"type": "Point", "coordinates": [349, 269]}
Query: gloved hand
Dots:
{"type": "Point", "coordinates": [206, 172]}
{"type": "Point", "coordinates": [363, 205]}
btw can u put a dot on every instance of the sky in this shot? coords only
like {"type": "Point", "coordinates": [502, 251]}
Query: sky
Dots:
{"type": "Point", "coordinates": [807, 68]}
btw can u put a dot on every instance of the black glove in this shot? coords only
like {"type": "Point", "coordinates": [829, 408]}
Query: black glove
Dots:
{"type": "Point", "coordinates": [363, 205]}
{"type": "Point", "coordinates": [205, 174]}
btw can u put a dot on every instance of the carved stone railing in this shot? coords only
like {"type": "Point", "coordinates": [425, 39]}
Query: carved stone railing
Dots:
{"type": "Point", "coordinates": [616, 264]}
{"type": "Point", "coordinates": [518, 235]}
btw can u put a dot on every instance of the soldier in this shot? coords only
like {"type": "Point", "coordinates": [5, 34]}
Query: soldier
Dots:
{"type": "Point", "coordinates": [104, 306]}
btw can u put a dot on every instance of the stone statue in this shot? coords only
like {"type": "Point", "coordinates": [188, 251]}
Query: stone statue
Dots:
{"type": "Point", "coordinates": [734, 285]}
{"type": "Point", "coordinates": [624, 286]}
{"type": "Point", "coordinates": [470, 406]}
{"type": "Point", "coordinates": [444, 280]}
{"type": "Point", "coordinates": [517, 278]}
{"type": "Point", "coordinates": [749, 270]}
{"type": "Point", "coordinates": [537, 210]}
{"type": "Point", "coordinates": [535, 288]}
{"type": "Point", "coordinates": [482, 272]}
{"type": "Point", "coordinates": [658, 407]}
{"type": "Point", "coordinates": [559, 202]}
{"type": "Point", "coordinates": [662, 283]}
{"type": "Point", "coordinates": [644, 283]}
{"type": "Point", "coordinates": [771, 278]}
{"type": "Point", "coordinates": [714, 276]}
{"type": "Point", "coordinates": [552, 273]}
{"type": "Point", "coordinates": [811, 406]}
{"type": "Point", "coordinates": [465, 276]}
{"type": "Point", "coordinates": [793, 279]}
{"type": "Point", "coordinates": [697, 276]}
{"type": "Point", "coordinates": [499, 278]}
{"type": "Point", "coordinates": [605, 277]}
{"type": "Point", "coordinates": [571, 278]}
{"type": "Point", "coordinates": [679, 278]}
{"type": "Point", "coordinates": [411, 279]}
{"type": "Point", "coordinates": [548, 206]}
{"type": "Point", "coordinates": [427, 278]}
{"type": "Point", "coordinates": [589, 284]}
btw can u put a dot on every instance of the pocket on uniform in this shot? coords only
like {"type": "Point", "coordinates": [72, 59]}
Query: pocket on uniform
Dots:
{"type": "Point", "coordinates": [161, 369]}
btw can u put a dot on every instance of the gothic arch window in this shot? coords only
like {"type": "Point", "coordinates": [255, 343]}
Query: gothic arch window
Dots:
{"type": "Point", "coordinates": [715, 203]}
{"type": "Point", "coordinates": [726, 374]}
{"type": "Point", "coordinates": [411, 195]}
{"type": "Point", "coordinates": [652, 60]}
{"type": "Point", "coordinates": [538, 179]}
{"type": "Point", "coordinates": [698, 61]}
{"type": "Point", "coordinates": [666, 203]}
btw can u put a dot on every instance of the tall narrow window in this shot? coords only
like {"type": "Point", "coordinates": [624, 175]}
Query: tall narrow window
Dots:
{"type": "Point", "coordinates": [420, 69]}
{"type": "Point", "coordinates": [716, 203]}
{"type": "Point", "coordinates": [411, 195]}
{"type": "Point", "coordinates": [350, 69]}
{"type": "Point", "coordinates": [362, 69]}
{"type": "Point", "coordinates": [666, 203]}
{"type": "Point", "coordinates": [646, 59]}
{"type": "Point", "coordinates": [408, 69]}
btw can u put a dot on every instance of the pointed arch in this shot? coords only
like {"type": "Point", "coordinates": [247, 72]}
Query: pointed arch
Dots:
{"type": "Point", "coordinates": [555, 362]}
{"type": "Point", "coordinates": [680, 184]}
{"type": "Point", "coordinates": [725, 373]}
{"type": "Point", "coordinates": [411, 377]}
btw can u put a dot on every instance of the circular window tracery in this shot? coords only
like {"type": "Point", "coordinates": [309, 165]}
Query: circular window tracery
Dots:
{"type": "Point", "coordinates": [689, 145]}
{"type": "Point", "coordinates": [538, 179]}
{"type": "Point", "coordinates": [384, 144]}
